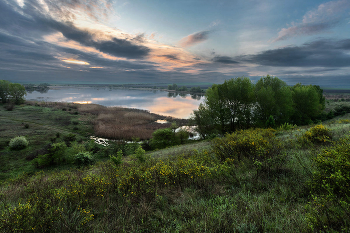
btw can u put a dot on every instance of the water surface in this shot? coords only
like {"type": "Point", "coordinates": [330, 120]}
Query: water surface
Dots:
{"type": "Point", "coordinates": [160, 102]}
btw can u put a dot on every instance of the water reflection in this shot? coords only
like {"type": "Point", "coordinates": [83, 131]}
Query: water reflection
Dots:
{"type": "Point", "coordinates": [177, 105]}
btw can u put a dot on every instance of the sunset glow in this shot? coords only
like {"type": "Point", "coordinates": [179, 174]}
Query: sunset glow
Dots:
{"type": "Point", "coordinates": [76, 62]}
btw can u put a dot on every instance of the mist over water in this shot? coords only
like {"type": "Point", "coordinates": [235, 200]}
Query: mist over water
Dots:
{"type": "Point", "coordinates": [160, 102]}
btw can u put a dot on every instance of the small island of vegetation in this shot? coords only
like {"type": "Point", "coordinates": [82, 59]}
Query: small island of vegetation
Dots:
{"type": "Point", "coordinates": [272, 158]}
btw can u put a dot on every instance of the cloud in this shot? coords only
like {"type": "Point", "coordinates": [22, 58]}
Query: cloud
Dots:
{"type": "Point", "coordinates": [194, 39]}
{"type": "Point", "coordinates": [224, 60]}
{"type": "Point", "coordinates": [66, 9]}
{"type": "Point", "coordinates": [320, 53]}
{"type": "Point", "coordinates": [325, 17]}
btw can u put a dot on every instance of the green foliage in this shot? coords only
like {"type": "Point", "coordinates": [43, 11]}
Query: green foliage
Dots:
{"type": "Point", "coordinates": [330, 189]}
{"type": "Point", "coordinates": [317, 134]}
{"type": "Point", "coordinates": [56, 155]}
{"type": "Point", "coordinates": [257, 145]}
{"type": "Point", "coordinates": [182, 135]}
{"type": "Point", "coordinates": [307, 104]}
{"type": "Point", "coordinates": [13, 92]}
{"type": "Point", "coordinates": [287, 126]}
{"type": "Point", "coordinates": [117, 160]}
{"type": "Point", "coordinates": [162, 138]}
{"type": "Point", "coordinates": [146, 178]}
{"type": "Point", "coordinates": [270, 123]}
{"type": "Point", "coordinates": [69, 138]}
{"type": "Point", "coordinates": [18, 143]}
{"type": "Point", "coordinates": [140, 154]}
{"type": "Point", "coordinates": [83, 159]}
{"type": "Point", "coordinates": [196, 90]}
{"type": "Point", "coordinates": [273, 98]}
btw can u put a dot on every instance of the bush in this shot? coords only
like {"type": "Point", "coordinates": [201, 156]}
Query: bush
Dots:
{"type": "Point", "coordinates": [162, 138]}
{"type": "Point", "coordinates": [117, 160]}
{"type": "Point", "coordinates": [140, 154]}
{"type": "Point", "coordinates": [9, 106]}
{"type": "Point", "coordinates": [69, 138]}
{"type": "Point", "coordinates": [253, 144]}
{"type": "Point", "coordinates": [83, 159]}
{"type": "Point", "coordinates": [330, 208]}
{"type": "Point", "coordinates": [317, 134]}
{"type": "Point", "coordinates": [287, 126]}
{"type": "Point", "coordinates": [56, 155]}
{"type": "Point", "coordinates": [18, 143]}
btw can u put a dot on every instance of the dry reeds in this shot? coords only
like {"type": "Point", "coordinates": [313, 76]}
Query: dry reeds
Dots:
{"type": "Point", "coordinates": [122, 123]}
{"type": "Point", "coordinates": [116, 122]}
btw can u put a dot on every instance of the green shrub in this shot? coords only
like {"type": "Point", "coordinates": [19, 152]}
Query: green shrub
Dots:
{"type": "Point", "coordinates": [317, 134]}
{"type": "Point", "coordinates": [117, 160]}
{"type": "Point", "coordinates": [162, 138]}
{"type": "Point", "coordinates": [270, 123]}
{"type": "Point", "coordinates": [330, 189]}
{"type": "Point", "coordinates": [69, 138]}
{"type": "Point", "coordinates": [56, 155]}
{"type": "Point", "coordinates": [140, 154]}
{"type": "Point", "coordinates": [83, 159]}
{"type": "Point", "coordinates": [18, 143]}
{"type": "Point", "coordinates": [287, 126]}
{"type": "Point", "coordinates": [252, 143]}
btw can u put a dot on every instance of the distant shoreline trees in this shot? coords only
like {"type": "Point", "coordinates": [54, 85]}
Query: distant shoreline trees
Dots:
{"type": "Point", "coordinates": [11, 92]}
{"type": "Point", "coordinates": [240, 104]}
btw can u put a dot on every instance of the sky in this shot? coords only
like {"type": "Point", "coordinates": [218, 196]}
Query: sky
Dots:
{"type": "Point", "coordinates": [182, 41]}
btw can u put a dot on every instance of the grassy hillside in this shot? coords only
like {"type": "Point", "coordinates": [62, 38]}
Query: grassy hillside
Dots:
{"type": "Point", "coordinates": [252, 181]}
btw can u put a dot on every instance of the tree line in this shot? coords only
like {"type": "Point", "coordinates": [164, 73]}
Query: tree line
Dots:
{"type": "Point", "coordinates": [240, 104]}
{"type": "Point", "coordinates": [11, 92]}
{"type": "Point", "coordinates": [175, 87]}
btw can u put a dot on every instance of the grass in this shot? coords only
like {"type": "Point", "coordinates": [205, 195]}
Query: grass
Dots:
{"type": "Point", "coordinates": [184, 188]}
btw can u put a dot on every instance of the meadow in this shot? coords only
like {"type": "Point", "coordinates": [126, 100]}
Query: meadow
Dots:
{"type": "Point", "coordinates": [288, 179]}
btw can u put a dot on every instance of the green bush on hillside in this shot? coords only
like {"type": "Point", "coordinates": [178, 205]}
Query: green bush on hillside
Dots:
{"type": "Point", "coordinates": [162, 138]}
{"type": "Point", "coordinates": [83, 159]}
{"type": "Point", "coordinates": [317, 134]}
{"type": "Point", "coordinates": [18, 143]}
{"type": "Point", "coordinates": [252, 143]}
{"type": "Point", "coordinates": [330, 189]}
{"type": "Point", "coordinates": [258, 146]}
{"type": "Point", "coordinates": [56, 155]}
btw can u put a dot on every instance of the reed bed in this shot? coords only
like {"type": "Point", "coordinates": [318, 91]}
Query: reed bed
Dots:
{"type": "Point", "coordinates": [116, 122]}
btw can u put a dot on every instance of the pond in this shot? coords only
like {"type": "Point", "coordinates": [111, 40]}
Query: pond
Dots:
{"type": "Point", "coordinates": [155, 101]}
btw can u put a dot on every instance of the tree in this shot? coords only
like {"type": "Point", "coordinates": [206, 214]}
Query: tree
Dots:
{"type": "Point", "coordinates": [307, 103]}
{"type": "Point", "coordinates": [204, 121]}
{"type": "Point", "coordinates": [17, 93]}
{"type": "Point", "coordinates": [4, 90]}
{"type": "Point", "coordinates": [238, 97]}
{"type": "Point", "coordinates": [274, 98]}
{"type": "Point", "coordinates": [227, 106]}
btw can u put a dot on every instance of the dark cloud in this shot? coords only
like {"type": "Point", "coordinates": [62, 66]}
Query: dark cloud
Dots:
{"type": "Point", "coordinates": [321, 53]}
{"type": "Point", "coordinates": [38, 24]}
{"type": "Point", "coordinates": [224, 60]}
{"type": "Point", "coordinates": [170, 57]}
{"type": "Point", "coordinates": [194, 39]}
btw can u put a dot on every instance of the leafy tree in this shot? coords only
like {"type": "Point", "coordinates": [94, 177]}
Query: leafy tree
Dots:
{"type": "Point", "coordinates": [172, 87]}
{"type": "Point", "coordinates": [11, 92]}
{"type": "Point", "coordinates": [307, 103]}
{"type": "Point", "coordinates": [274, 98]}
{"type": "Point", "coordinates": [228, 106]}
{"type": "Point", "coordinates": [17, 92]}
{"type": "Point", "coordinates": [204, 121]}
{"type": "Point", "coordinates": [4, 90]}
